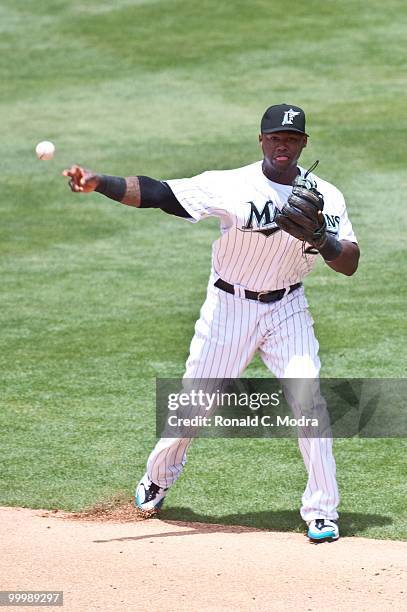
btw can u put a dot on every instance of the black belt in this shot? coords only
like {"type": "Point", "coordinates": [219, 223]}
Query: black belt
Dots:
{"type": "Point", "coordinates": [261, 296]}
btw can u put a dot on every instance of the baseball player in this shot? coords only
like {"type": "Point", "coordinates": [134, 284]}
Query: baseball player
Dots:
{"type": "Point", "coordinates": [275, 220]}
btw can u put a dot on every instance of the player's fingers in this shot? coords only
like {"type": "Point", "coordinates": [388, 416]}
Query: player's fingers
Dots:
{"type": "Point", "coordinates": [75, 172]}
{"type": "Point", "coordinates": [68, 172]}
{"type": "Point", "coordinates": [71, 172]}
{"type": "Point", "coordinates": [81, 180]}
{"type": "Point", "coordinates": [74, 186]}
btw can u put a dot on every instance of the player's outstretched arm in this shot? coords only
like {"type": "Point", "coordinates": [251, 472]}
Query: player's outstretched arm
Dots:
{"type": "Point", "coordinates": [138, 191]}
{"type": "Point", "coordinates": [124, 190]}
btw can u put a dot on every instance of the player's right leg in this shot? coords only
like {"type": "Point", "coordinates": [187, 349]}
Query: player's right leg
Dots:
{"type": "Point", "coordinates": [225, 340]}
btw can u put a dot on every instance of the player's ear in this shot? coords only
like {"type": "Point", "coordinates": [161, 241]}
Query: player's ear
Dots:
{"type": "Point", "coordinates": [260, 138]}
{"type": "Point", "coordinates": [305, 142]}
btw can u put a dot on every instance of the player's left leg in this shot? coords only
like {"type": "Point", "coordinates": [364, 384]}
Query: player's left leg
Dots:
{"type": "Point", "coordinates": [290, 350]}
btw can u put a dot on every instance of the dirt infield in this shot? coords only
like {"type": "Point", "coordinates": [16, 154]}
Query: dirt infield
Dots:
{"type": "Point", "coordinates": [119, 563]}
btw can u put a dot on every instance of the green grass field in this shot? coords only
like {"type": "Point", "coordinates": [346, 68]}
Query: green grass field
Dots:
{"type": "Point", "coordinates": [99, 299]}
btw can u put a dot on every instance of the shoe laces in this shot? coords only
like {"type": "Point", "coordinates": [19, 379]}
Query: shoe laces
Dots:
{"type": "Point", "coordinates": [152, 491]}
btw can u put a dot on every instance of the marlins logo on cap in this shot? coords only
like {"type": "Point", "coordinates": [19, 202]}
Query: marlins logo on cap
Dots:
{"type": "Point", "coordinates": [283, 118]}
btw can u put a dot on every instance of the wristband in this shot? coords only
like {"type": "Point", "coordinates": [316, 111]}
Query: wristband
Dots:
{"type": "Point", "coordinates": [113, 187]}
{"type": "Point", "coordinates": [330, 249]}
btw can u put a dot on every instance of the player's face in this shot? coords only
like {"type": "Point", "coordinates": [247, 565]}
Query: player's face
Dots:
{"type": "Point", "coordinates": [281, 150]}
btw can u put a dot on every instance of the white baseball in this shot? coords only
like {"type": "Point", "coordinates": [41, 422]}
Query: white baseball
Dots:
{"type": "Point", "coordinates": [45, 149]}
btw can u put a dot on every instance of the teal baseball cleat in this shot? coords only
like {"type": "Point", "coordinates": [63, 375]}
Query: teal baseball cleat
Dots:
{"type": "Point", "coordinates": [149, 496]}
{"type": "Point", "coordinates": [323, 530]}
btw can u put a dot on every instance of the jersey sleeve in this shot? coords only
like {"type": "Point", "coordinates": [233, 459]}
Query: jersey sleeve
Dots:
{"type": "Point", "coordinates": [335, 213]}
{"type": "Point", "coordinates": [345, 231]}
{"type": "Point", "coordinates": [345, 228]}
{"type": "Point", "coordinates": [201, 196]}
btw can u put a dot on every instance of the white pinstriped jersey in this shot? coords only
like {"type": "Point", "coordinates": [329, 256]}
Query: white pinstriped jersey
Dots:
{"type": "Point", "coordinates": [252, 251]}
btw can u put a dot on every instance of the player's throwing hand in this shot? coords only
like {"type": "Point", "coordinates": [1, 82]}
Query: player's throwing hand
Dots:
{"type": "Point", "coordinates": [82, 180]}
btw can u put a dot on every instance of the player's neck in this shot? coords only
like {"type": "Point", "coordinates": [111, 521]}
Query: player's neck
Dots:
{"type": "Point", "coordinates": [284, 177]}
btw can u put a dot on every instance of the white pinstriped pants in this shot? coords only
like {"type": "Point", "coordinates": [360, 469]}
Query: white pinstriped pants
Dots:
{"type": "Point", "coordinates": [228, 333]}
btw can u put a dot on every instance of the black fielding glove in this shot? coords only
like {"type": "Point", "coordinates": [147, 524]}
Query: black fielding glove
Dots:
{"type": "Point", "coordinates": [302, 216]}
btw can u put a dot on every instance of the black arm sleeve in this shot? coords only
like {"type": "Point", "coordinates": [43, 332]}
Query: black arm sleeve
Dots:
{"type": "Point", "coordinates": [157, 194]}
{"type": "Point", "coordinates": [113, 187]}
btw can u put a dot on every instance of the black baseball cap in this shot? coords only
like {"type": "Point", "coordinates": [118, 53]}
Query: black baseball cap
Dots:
{"type": "Point", "coordinates": [283, 118]}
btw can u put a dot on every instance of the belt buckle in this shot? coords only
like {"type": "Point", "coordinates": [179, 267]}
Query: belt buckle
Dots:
{"type": "Point", "coordinates": [260, 293]}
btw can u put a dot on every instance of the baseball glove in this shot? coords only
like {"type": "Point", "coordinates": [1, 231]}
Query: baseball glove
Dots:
{"type": "Point", "coordinates": [302, 215]}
